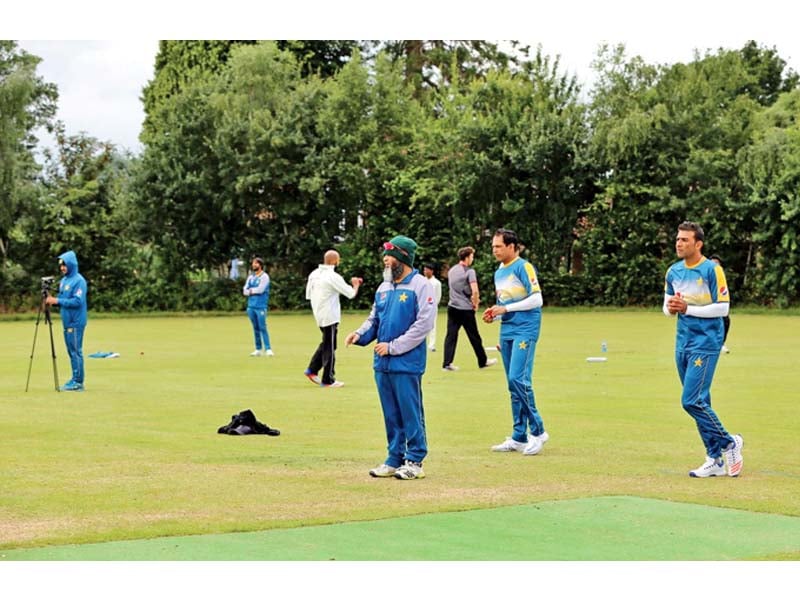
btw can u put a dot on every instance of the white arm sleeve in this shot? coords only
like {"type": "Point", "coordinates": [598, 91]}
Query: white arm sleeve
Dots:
{"type": "Point", "coordinates": [535, 300]}
{"type": "Point", "coordinates": [709, 311]}
{"type": "Point", "coordinates": [667, 298]}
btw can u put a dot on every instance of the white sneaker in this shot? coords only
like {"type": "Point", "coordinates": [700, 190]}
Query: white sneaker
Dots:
{"type": "Point", "coordinates": [335, 384]}
{"type": "Point", "coordinates": [489, 362]}
{"type": "Point", "coordinates": [269, 353]}
{"type": "Point", "coordinates": [383, 470]}
{"type": "Point", "coordinates": [510, 445]}
{"type": "Point", "coordinates": [450, 368]}
{"type": "Point", "coordinates": [733, 456]}
{"type": "Point", "coordinates": [410, 470]}
{"type": "Point", "coordinates": [725, 349]}
{"type": "Point", "coordinates": [710, 468]}
{"type": "Point", "coordinates": [535, 444]}
{"type": "Point", "coordinates": [255, 353]}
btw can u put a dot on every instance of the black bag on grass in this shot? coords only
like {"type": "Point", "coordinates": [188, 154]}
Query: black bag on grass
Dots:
{"type": "Point", "coordinates": [245, 423]}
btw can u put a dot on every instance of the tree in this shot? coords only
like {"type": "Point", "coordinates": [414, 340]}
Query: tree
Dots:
{"type": "Point", "coordinates": [665, 140]}
{"type": "Point", "coordinates": [26, 102]}
{"type": "Point", "coordinates": [770, 207]}
{"type": "Point", "coordinates": [432, 64]}
{"type": "Point", "coordinates": [180, 63]}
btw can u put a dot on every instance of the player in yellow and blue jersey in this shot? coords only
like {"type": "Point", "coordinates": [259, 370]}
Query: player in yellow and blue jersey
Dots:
{"type": "Point", "coordinates": [696, 291]}
{"type": "Point", "coordinates": [519, 308]}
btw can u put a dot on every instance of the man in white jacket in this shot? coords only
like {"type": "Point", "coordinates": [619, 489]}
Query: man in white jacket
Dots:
{"type": "Point", "coordinates": [323, 289]}
{"type": "Point", "coordinates": [429, 270]}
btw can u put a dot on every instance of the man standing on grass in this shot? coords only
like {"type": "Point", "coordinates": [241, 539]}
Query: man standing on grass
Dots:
{"type": "Point", "coordinates": [697, 292]}
{"type": "Point", "coordinates": [401, 316]}
{"type": "Point", "coordinates": [428, 270]}
{"type": "Point", "coordinates": [71, 299]}
{"type": "Point", "coordinates": [323, 289]}
{"type": "Point", "coordinates": [519, 308]}
{"type": "Point", "coordinates": [464, 299]}
{"type": "Point", "coordinates": [256, 288]}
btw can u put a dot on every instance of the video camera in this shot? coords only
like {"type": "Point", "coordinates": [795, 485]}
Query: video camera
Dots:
{"type": "Point", "coordinates": [46, 283]}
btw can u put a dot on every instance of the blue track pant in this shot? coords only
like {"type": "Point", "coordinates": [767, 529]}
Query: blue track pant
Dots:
{"type": "Point", "coordinates": [403, 416]}
{"type": "Point", "coordinates": [518, 355]}
{"type": "Point", "coordinates": [258, 318]}
{"type": "Point", "coordinates": [696, 372]}
{"type": "Point", "coordinates": [73, 340]}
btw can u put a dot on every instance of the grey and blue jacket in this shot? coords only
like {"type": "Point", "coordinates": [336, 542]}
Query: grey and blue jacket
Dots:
{"type": "Point", "coordinates": [402, 315]}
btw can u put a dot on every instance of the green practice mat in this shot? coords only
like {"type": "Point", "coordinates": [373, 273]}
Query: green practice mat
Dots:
{"type": "Point", "coordinates": [606, 528]}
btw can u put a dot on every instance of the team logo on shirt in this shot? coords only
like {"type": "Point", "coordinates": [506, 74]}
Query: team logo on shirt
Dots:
{"type": "Point", "coordinates": [430, 300]}
{"type": "Point", "coordinates": [698, 362]}
{"type": "Point", "coordinates": [403, 297]}
{"type": "Point", "coordinates": [79, 293]}
{"type": "Point", "coordinates": [723, 291]}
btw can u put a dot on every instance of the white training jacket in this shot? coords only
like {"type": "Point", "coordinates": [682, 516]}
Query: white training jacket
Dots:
{"type": "Point", "coordinates": [323, 289]}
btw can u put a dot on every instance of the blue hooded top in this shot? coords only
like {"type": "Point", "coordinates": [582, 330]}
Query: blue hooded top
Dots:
{"type": "Point", "coordinates": [72, 291]}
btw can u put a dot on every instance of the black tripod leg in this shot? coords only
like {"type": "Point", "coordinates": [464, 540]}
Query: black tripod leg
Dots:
{"type": "Point", "coordinates": [49, 321]}
{"type": "Point", "coordinates": [35, 333]}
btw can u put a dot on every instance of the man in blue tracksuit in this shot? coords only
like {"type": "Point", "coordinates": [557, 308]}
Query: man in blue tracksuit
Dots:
{"type": "Point", "coordinates": [402, 315]}
{"type": "Point", "coordinates": [696, 291]}
{"type": "Point", "coordinates": [256, 288]}
{"type": "Point", "coordinates": [71, 300]}
{"type": "Point", "coordinates": [519, 310]}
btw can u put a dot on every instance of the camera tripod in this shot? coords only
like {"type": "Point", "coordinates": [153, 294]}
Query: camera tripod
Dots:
{"type": "Point", "coordinates": [44, 307]}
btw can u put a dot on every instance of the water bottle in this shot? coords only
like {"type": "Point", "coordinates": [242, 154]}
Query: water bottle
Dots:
{"type": "Point", "coordinates": [603, 346]}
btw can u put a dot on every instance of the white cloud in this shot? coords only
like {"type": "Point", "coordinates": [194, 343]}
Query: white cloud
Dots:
{"type": "Point", "coordinates": [100, 85]}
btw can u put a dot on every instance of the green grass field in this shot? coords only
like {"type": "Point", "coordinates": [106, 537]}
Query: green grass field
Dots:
{"type": "Point", "coordinates": [137, 455]}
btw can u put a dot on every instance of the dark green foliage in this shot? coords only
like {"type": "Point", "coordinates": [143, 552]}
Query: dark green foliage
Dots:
{"type": "Point", "coordinates": [286, 149]}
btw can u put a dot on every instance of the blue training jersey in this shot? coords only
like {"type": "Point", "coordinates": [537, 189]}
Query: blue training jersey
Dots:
{"type": "Point", "coordinates": [402, 314]}
{"type": "Point", "coordinates": [514, 282]}
{"type": "Point", "coordinates": [700, 284]}
{"type": "Point", "coordinates": [259, 290]}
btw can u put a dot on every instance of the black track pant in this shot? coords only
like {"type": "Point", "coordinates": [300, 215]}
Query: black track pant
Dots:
{"type": "Point", "coordinates": [456, 319]}
{"type": "Point", "coordinates": [325, 356]}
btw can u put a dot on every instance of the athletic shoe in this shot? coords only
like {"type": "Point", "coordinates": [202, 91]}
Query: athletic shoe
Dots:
{"type": "Point", "coordinates": [72, 386]}
{"type": "Point", "coordinates": [410, 470]}
{"type": "Point", "coordinates": [255, 353]}
{"type": "Point", "coordinates": [535, 444]}
{"type": "Point", "coordinates": [710, 468]}
{"type": "Point", "coordinates": [269, 353]}
{"type": "Point", "coordinates": [383, 470]}
{"type": "Point", "coordinates": [335, 384]}
{"type": "Point", "coordinates": [489, 362]}
{"type": "Point", "coordinates": [733, 456]}
{"type": "Point", "coordinates": [510, 445]}
{"type": "Point", "coordinates": [725, 349]}
{"type": "Point", "coordinates": [312, 377]}
{"type": "Point", "coordinates": [450, 368]}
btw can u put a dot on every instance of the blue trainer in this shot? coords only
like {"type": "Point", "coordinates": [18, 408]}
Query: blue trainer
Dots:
{"type": "Point", "coordinates": [72, 386]}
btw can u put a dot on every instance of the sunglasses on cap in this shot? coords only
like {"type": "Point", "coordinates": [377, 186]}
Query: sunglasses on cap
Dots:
{"type": "Point", "coordinates": [391, 246]}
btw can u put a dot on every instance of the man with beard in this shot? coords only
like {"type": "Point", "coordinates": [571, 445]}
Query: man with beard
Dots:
{"type": "Point", "coordinates": [401, 317]}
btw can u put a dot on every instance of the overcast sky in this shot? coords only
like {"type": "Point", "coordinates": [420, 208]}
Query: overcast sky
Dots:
{"type": "Point", "coordinates": [100, 82]}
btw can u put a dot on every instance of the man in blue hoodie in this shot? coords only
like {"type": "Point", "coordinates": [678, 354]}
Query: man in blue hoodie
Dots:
{"type": "Point", "coordinates": [71, 300]}
{"type": "Point", "coordinates": [401, 317]}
